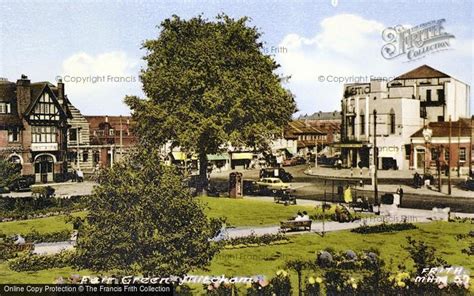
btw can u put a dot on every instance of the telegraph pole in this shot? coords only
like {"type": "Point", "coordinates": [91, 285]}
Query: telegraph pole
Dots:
{"type": "Point", "coordinates": [449, 159]}
{"type": "Point", "coordinates": [121, 138]}
{"type": "Point", "coordinates": [376, 193]}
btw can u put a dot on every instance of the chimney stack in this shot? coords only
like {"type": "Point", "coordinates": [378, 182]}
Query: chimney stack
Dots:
{"type": "Point", "coordinates": [61, 91]}
{"type": "Point", "coordinates": [23, 94]}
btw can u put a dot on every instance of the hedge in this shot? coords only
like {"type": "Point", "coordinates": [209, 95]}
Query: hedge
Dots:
{"type": "Point", "coordinates": [384, 227]}
{"type": "Point", "coordinates": [32, 262]}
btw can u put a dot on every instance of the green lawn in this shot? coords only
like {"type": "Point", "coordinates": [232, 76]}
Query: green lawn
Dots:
{"type": "Point", "coordinates": [252, 212]}
{"type": "Point", "coordinates": [42, 225]}
{"type": "Point", "coordinates": [239, 212]}
{"type": "Point", "coordinates": [266, 260]}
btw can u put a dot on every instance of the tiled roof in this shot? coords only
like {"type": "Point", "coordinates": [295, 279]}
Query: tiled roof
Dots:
{"type": "Point", "coordinates": [96, 120]}
{"type": "Point", "coordinates": [424, 71]}
{"type": "Point", "coordinates": [322, 116]}
{"type": "Point", "coordinates": [10, 120]}
{"type": "Point", "coordinates": [441, 129]}
{"type": "Point", "coordinates": [7, 91]}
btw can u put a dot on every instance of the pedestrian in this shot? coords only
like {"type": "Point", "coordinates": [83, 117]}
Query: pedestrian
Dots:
{"type": "Point", "coordinates": [361, 183]}
{"type": "Point", "coordinates": [416, 180]}
{"type": "Point", "coordinates": [347, 195]}
{"type": "Point", "coordinates": [74, 175]}
{"type": "Point", "coordinates": [400, 193]}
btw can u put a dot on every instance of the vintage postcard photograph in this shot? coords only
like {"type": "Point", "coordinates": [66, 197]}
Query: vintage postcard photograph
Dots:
{"type": "Point", "coordinates": [236, 147]}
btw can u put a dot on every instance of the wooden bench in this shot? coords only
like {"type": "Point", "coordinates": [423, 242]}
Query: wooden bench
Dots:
{"type": "Point", "coordinates": [295, 225]}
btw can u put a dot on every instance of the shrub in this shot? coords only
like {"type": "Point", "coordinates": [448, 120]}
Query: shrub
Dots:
{"type": "Point", "coordinates": [281, 284]}
{"type": "Point", "coordinates": [37, 237]}
{"type": "Point", "coordinates": [325, 259]}
{"type": "Point", "coordinates": [313, 286]}
{"type": "Point", "coordinates": [384, 227]}
{"type": "Point", "coordinates": [254, 240]}
{"type": "Point", "coordinates": [220, 289]}
{"type": "Point", "coordinates": [31, 262]}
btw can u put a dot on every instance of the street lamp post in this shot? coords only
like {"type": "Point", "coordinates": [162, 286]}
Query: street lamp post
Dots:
{"type": "Point", "coordinates": [470, 148]}
{"type": "Point", "coordinates": [376, 193]}
{"type": "Point", "coordinates": [427, 134]}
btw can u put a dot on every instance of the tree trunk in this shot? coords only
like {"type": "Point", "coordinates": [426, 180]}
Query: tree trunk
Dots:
{"type": "Point", "coordinates": [203, 181]}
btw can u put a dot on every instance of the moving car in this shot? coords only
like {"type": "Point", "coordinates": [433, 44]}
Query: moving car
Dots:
{"type": "Point", "coordinates": [276, 173]}
{"type": "Point", "coordinates": [272, 184]}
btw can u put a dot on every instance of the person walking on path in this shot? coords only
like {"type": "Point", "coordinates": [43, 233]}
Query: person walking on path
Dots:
{"type": "Point", "coordinates": [347, 195]}
{"type": "Point", "coordinates": [400, 193]}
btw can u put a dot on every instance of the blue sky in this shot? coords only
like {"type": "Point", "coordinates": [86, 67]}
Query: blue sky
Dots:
{"type": "Point", "coordinates": [46, 39]}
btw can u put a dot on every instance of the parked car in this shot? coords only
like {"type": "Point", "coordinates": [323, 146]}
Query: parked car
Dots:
{"type": "Point", "coordinates": [469, 184]}
{"type": "Point", "coordinates": [276, 173]}
{"type": "Point", "coordinates": [22, 185]}
{"type": "Point", "coordinates": [272, 184]}
{"type": "Point", "coordinates": [300, 160]}
{"type": "Point", "coordinates": [289, 162]}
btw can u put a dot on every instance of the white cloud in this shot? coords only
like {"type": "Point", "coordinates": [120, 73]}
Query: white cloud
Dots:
{"type": "Point", "coordinates": [346, 45]}
{"type": "Point", "coordinates": [100, 82]}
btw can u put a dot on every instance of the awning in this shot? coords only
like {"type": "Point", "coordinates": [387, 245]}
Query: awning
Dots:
{"type": "Point", "coordinates": [178, 155]}
{"type": "Point", "coordinates": [242, 155]}
{"type": "Point", "coordinates": [217, 156]}
{"type": "Point", "coordinates": [348, 145]}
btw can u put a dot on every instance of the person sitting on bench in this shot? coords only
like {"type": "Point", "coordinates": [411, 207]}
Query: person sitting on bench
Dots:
{"type": "Point", "coordinates": [305, 216]}
{"type": "Point", "coordinates": [299, 217]}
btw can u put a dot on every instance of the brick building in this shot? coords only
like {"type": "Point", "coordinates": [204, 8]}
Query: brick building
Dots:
{"type": "Point", "coordinates": [33, 127]}
{"type": "Point", "coordinates": [431, 146]}
{"type": "Point", "coordinates": [110, 138]}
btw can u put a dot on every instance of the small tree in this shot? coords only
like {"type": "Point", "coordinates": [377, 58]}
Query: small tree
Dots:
{"type": "Point", "coordinates": [142, 220]}
{"type": "Point", "coordinates": [9, 172]}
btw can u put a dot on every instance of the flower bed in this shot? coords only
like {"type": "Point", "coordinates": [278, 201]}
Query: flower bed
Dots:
{"type": "Point", "coordinates": [255, 241]}
{"type": "Point", "coordinates": [22, 208]}
{"type": "Point", "coordinates": [365, 229]}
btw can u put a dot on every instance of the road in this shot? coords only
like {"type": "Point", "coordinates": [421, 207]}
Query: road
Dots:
{"type": "Point", "coordinates": [314, 188]}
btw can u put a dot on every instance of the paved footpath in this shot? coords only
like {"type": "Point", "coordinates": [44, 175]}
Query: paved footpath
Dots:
{"type": "Point", "coordinates": [355, 175]}
{"type": "Point", "coordinates": [415, 215]}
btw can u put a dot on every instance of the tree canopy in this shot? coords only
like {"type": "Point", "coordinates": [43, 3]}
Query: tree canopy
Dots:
{"type": "Point", "coordinates": [208, 84]}
{"type": "Point", "coordinates": [142, 220]}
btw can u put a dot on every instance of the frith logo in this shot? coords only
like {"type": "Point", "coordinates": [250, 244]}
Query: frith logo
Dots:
{"type": "Point", "coordinates": [416, 42]}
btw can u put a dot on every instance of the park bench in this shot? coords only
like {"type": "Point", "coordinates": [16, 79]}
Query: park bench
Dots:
{"type": "Point", "coordinates": [295, 225]}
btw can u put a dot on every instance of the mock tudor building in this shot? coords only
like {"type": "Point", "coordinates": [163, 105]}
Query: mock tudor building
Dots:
{"type": "Point", "coordinates": [403, 106]}
{"type": "Point", "coordinates": [33, 127]}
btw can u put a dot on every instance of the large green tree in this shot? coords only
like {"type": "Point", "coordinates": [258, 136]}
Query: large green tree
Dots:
{"type": "Point", "coordinates": [209, 84]}
{"type": "Point", "coordinates": [142, 220]}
